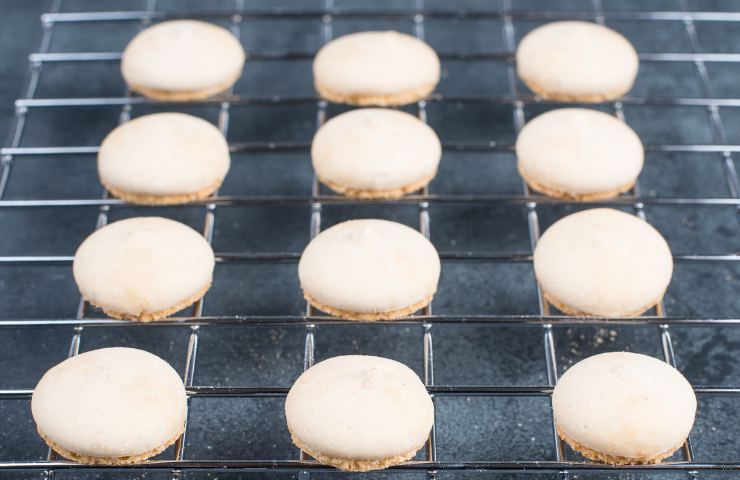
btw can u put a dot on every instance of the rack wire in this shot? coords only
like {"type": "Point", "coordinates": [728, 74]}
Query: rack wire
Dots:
{"type": "Point", "coordinates": [426, 321]}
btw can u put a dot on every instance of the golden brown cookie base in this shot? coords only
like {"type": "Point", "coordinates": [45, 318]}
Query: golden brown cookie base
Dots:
{"type": "Point", "coordinates": [145, 199]}
{"type": "Point", "coordinates": [579, 197]}
{"type": "Point", "coordinates": [579, 313]}
{"type": "Point", "coordinates": [153, 316]}
{"type": "Point", "coordinates": [566, 97]}
{"type": "Point", "coordinates": [379, 194]}
{"type": "Point", "coordinates": [402, 98]}
{"type": "Point", "coordinates": [368, 316]}
{"type": "Point", "coordinates": [127, 460]}
{"type": "Point", "coordinates": [183, 95]}
{"type": "Point", "coordinates": [614, 459]}
{"type": "Point", "coordinates": [352, 465]}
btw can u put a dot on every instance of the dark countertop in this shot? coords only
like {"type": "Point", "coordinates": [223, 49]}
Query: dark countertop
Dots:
{"type": "Point", "coordinates": [475, 428]}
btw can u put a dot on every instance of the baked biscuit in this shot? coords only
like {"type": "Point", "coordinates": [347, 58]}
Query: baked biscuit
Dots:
{"type": "Point", "coordinates": [163, 159]}
{"type": "Point", "coordinates": [375, 153]}
{"type": "Point", "coordinates": [579, 154]}
{"type": "Point", "coordinates": [603, 262]}
{"type": "Point", "coordinates": [369, 270]}
{"type": "Point", "coordinates": [623, 408]}
{"type": "Point", "coordinates": [182, 60]}
{"type": "Point", "coordinates": [376, 68]}
{"type": "Point", "coordinates": [143, 268]}
{"type": "Point", "coordinates": [575, 61]}
{"type": "Point", "coordinates": [359, 413]}
{"type": "Point", "coordinates": [111, 406]}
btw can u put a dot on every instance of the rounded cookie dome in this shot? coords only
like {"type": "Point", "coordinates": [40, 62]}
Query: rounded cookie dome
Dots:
{"type": "Point", "coordinates": [577, 62]}
{"type": "Point", "coordinates": [375, 153]}
{"type": "Point", "coordinates": [603, 262]}
{"type": "Point", "coordinates": [111, 406]}
{"type": "Point", "coordinates": [369, 270]}
{"type": "Point", "coordinates": [623, 407]}
{"type": "Point", "coordinates": [359, 412]}
{"type": "Point", "coordinates": [143, 268]}
{"type": "Point", "coordinates": [376, 68]}
{"type": "Point", "coordinates": [182, 60]}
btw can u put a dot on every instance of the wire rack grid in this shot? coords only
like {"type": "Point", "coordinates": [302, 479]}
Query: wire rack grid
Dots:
{"type": "Point", "coordinates": [517, 100]}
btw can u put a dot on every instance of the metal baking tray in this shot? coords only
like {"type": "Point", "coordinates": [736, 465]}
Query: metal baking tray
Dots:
{"type": "Point", "coordinates": [490, 349]}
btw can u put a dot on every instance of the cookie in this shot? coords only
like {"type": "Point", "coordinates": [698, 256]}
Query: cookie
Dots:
{"type": "Point", "coordinates": [143, 268]}
{"type": "Point", "coordinates": [164, 158]}
{"type": "Point", "coordinates": [579, 154]}
{"type": "Point", "coordinates": [369, 270]}
{"type": "Point", "coordinates": [623, 408]}
{"type": "Point", "coordinates": [359, 413]}
{"type": "Point", "coordinates": [603, 262]}
{"type": "Point", "coordinates": [182, 60]}
{"type": "Point", "coordinates": [111, 406]}
{"type": "Point", "coordinates": [375, 153]}
{"type": "Point", "coordinates": [575, 61]}
{"type": "Point", "coordinates": [376, 68]}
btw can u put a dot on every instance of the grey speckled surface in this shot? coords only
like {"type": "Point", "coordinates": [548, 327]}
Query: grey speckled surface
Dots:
{"type": "Point", "coordinates": [480, 428]}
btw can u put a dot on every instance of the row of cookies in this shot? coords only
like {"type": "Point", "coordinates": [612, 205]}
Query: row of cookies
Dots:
{"type": "Point", "coordinates": [118, 406]}
{"type": "Point", "coordinates": [597, 262]}
{"type": "Point", "coordinates": [187, 60]}
{"type": "Point", "coordinates": [169, 158]}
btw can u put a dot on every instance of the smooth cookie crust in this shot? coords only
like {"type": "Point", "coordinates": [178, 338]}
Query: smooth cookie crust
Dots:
{"type": "Point", "coordinates": [382, 68]}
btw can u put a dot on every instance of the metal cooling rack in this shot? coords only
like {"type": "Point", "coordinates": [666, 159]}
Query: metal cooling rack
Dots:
{"type": "Point", "coordinates": [517, 100]}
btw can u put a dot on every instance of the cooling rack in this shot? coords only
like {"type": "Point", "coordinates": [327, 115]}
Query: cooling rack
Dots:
{"type": "Point", "coordinates": [565, 463]}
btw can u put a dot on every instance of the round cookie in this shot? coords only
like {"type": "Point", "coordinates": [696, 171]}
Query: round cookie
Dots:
{"type": "Point", "coordinates": [143, 268]}
{"type": "Point", "coordinates": [579, 154]}
{"type": "Point", "coordinates": [603, 262]}
{"type": "Point", "coordinates": [111, 406]}
{"type": "Point", "coordinates": [623, 408]}
{"type": "Point", "coordinates": [164, 158]}
{"type": "Point", "coordinates": [375, 153]}
{"type": "Point", "coordinates": [369, 270]}
{"type": "Point", "coordinates": [575, 61]}
{"type": "Point", "coordinates": [359, 413]}
{"type": "Point", "coordinates": [182, 60]}
{"type": "Point", "coordinates": [376, 68]}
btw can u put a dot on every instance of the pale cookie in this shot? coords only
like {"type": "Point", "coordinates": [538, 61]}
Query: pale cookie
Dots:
{"type": "Point", "coordinates": [579, 154]}
{"type": "Point", "coordinates": [143, 268]}
{"type": "Point", "coordinates": [369, 270]}
{"type": "Point", "coordinates": [111, 406]}
{"type": "Point", "coordinates": [182, 60]}
{"type": "Point", "coordinates": [164, 158]}
{"type": "Point", "coordinates": [603, 262]}
{"type": "Point", "coordinates": [375, 153]}
{"type": "Point", "coordinates": [575, 61]}
{"type": "Point", "coordinates": [623, 408]}
{"type": "Point", "coordinates": [376, 68]}
{"type": "Point", "coordinates": [359, 413]}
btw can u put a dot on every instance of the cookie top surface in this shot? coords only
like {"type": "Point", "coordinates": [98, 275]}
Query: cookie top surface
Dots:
{"type": "Point", "coordinates": [182, 56]}
{"type": "Point", "coordinates": [111, 402]}
{"type": "Point", "coordinates": [375, 149]}
{"type": "Point", "coordinates": [368, 266]}
{"type": "Point", "coordinates": [624, 404]}
{"type": "Point", "coordinates": [142, 265]}
{"type": "Point", "coordinates": [359, 407]}
{"type": "Point", "coordinates": [576, 59]}
{"type": "Point", "coordinates": [603, 262]}
{"type": "Point", "coordinates": [164, 154]}
{"type": "Point", "coordinates": [579, 151]}
{"type": "Point", "coordinates": [375, 64]}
